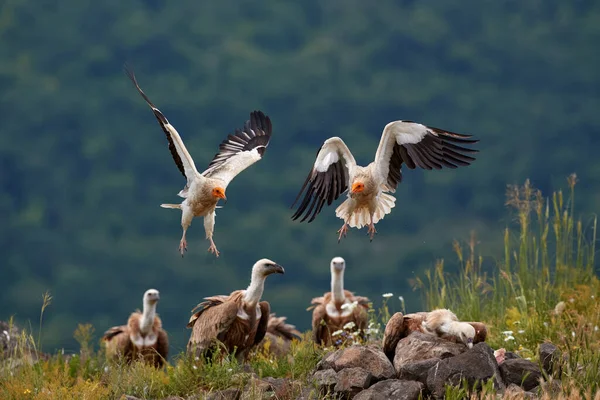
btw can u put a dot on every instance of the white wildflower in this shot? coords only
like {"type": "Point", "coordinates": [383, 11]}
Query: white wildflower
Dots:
{"type": "Point", "coordinates": [507, 332]}
{"type": "Point", "coordinates": [371, 324]}
{"type": "Point", "coordinates": [546, 324]}
{"type": "Point", "coordinates": [372, 331]}
{"type": "Point", "coordinates": [596, 328]}
{"type": "Point", "coordinates": [387, 295]}
{"type": "Point", "coordinates": [337, 333]}
{"type": "Point", "coordinates": [197, 358]}
{"type": "Point", "coordinates": [355, 333]}
{"type": "Point", "coordinates": [560, 307]}
{"type": "Point", "coordinates": [349, 325]}
{"type": "Point", "coordinates": [350, 306]}
{"type": "Point", "coordinates": [106, 368]}
{"type": "Point", "coordinates": [401, 298]}
{"type": "Point", "coordinates": [6, 334]}
{"type": "Point", "coordinates": [229, 369]}
{"type": "Point", "coordinates": [593, 297]}
{"type": "Point", "coordinates": [572, 333]}
{"type": "Point", "coordinates": [195, 367]}
{"type": "Point", "coordinates": [528, 358]}
{"type": "Point", "coordinates": [571, 300]}
{"type": "Point", "coordinates": [506, 339]}
{"type": "Point", "coordinates": [520, 331]}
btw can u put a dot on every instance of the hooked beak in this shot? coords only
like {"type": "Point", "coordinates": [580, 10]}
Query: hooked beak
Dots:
{"type": "Point", "coordinates": [277, 269]}
{"type": "Point", "coordinates": [470, 343]}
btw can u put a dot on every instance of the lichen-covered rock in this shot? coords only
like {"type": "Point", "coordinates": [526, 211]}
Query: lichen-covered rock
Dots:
{"type": "Point", "coordinates": [476, 366]}
{"type": "Point", "coordinates": [419, 346]}
{"type": "Point", "coordinates": [521, 372]}
{"type": "Point", "coordinates": [392, 389]}
{"type": "Point", "coordinates": [369, 358]}
{"type": "Point", "coordinates": [350, 381]}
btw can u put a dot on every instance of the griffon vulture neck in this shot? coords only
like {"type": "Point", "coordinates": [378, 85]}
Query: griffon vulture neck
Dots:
{"type": "Point", "coordinates": [256, 288]}
{"type": "Point", "coordinates": [337, 287]}
{"type": "Point", "coordinates": [148, 315]}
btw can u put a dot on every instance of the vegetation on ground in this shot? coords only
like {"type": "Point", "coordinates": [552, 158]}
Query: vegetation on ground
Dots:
{"type": "Point", "coordinates": [542, 288]}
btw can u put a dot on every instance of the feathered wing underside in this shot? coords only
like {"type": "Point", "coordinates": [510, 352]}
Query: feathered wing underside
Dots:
{"type": "Point", "coordinates": [242, 149]}
{"type": "Point", "coordinates": [417, 145]}
{"type": "Point", "coordinates": [328, 178]}
{"type": "Point", "coordinates": [215, 317]}
{"type": "Point", "coordinates": [179, 152]}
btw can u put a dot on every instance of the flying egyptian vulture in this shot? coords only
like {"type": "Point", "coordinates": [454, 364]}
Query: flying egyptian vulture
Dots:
{"type": "Point", "coordinates": [402, 142]}
{"type": "Point", "coordinates": [442, 323]}
{"type": "Point", "coordinates": [239, 321]}
{"type": "Point", "coordinates": [142, 338]}
{"type": "Point", "coordinates": [338, 309]}
{"type": "Point", "coordinates": [203, 191]}
{"type": "Point", "coordinates": [280, 335]}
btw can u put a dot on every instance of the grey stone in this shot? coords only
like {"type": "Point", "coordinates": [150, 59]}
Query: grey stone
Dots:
{"type": "Point", "coordinates": [550, 357]}
{"type": "Point", "coordinates": [370, 358]}
{"type": "Point", "coordinates": [392, 389]}
{"type": "Point", "coordinates": [419, 346]}
{"type": "Point", "coordinates": [476, 366]}
{"type": "Point", "coordinates": [350, 381]}
{"type": "Point", "coordinates": [516, 392]}
{"type": "Point", "coordinates": [227, 394]}
{"type": "Point", "coordinates": [325, 380]}
{"type": "Point", "coordinates": [417, 371]}
{"type": "Point", "coordinates": [521, 372]}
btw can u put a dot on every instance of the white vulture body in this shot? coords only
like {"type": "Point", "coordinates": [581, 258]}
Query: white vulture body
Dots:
{"type": "Point", "coordinates": [203, 190]}
{"type": "Point", "coordinates": [402, 142]}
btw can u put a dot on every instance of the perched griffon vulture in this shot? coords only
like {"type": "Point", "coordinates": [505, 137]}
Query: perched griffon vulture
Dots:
{"type": "Point", "coordinates": [402, 142]}
{"type": "Point", "coordinates": [337, 308]}
{"type": "Point", "coordinates": [280, 335]}
{"type": "Point", "coordinates": [442, 323]}
{"type": "Point", "coordinates": [203, 191]}
{"type": "Point", "coordinates": [143, 336]}
{"type": "Point", "coordinates": [239, 320]}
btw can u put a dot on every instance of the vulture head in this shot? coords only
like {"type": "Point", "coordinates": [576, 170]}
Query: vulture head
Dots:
{"type": "Point", "coordinates": [266, 267]}
{"type": "Point", "coordinates": [357, 187]}
{"type": "Point", "coordinates": [219, 193]}
{"type": "Point", "coordinates": [337, 265]}
{"type": "Point", "coordinates": [466, 333]}
{"type": "Point", "coordinates": [151, 296]}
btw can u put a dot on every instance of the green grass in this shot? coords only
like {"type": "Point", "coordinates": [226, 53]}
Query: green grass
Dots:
{"type": "Point", "coordinates": [543, 287]}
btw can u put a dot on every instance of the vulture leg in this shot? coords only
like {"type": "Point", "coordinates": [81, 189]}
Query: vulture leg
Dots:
{"type": "Point", "coordinates": [343, 231]}
{"type": "Point", "coordinates": [372, 230]}
{"type": "Point", "coordinates": [213, 247]}
{"type": "Point", "coordinates": [183, 243]}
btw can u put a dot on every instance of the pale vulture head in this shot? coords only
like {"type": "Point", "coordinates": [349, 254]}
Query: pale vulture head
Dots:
{"type": "Point", "coordinates": [466, 333]}
{"type": "Point", "coordinates": [337, 265]}
{"type": "Point", "coordinates": [219, 193]}
{"type": "Point", "coordinates": [151, 296]}
{"type": "Point", "coordinates": [266, 267]}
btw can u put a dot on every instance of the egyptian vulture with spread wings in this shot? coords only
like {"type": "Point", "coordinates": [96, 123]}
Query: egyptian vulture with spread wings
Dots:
{"type": "Point", "coordinates": [402, 143]}
{"type": "Point", "coordinates": [203, 190]}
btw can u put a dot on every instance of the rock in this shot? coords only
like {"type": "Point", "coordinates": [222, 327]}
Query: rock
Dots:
{"type": "Point", "coordinates": [392, 389]}
{"type": "Point", "coordinates": [550, 357]}
{"type": "Point", "coordinates": [521, 372]}
{"type": "Point", "coordinates": [350, 381]}
{"type": "Point", "coordinates": [325, 380]}
{"type": "Point", "coordinates": [417, 371]}
{"type": "Point", "coordinates": [129, 397]}
{"type": "Point", "coordinates": [516, 392]}
{"type": "Point", "coordinates": [510, 355]}
{"type": "Point", "coordinates": [370, 358]}
{"type": "Point", "coordinates": [227, 394]}
{"type": "Point", "coordinates": [419, 346]}
{"type": "Point", "coordinates": [476, 366]}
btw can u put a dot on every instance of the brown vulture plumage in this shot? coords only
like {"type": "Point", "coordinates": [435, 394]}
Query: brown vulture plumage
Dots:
{"type": "Point", "coordinates": [142, 338]}
{"type": "Point", "coordinates": [239, 321]}
{"type": "Point", "coordinates": [334, 310]}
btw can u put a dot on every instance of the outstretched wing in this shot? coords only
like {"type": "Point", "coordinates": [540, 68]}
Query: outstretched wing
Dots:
{"type": "Point", "coordinates": [421, 146]}
{"type": "Point", "coordinates": [215, 317]}
{"type": "Point", "coordinates": [242, 149]}
{"type": "Point", "coordinates": [328, 178]}
{"type": "Point", "coordinates": [181, 156]}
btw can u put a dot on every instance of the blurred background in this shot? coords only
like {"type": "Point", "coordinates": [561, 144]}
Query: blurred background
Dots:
{"type": "Point", "coordinates": [84, 165]}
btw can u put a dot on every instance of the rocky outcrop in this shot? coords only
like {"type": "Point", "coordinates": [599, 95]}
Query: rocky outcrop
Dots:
{"type": "Point", "coordinates": [370, 358]}
{"type": "Point", "coordinates": [419, 346]}
{"type": "Point", "coordinates": [392, 389]}
{"type": "Point", "coordinates": [521, 372]}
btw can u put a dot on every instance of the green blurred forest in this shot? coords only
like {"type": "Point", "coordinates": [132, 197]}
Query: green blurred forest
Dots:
{"type": "Point", "coordinates": [84, 166]}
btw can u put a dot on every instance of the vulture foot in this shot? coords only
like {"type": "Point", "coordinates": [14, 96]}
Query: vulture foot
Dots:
{"type": "Point", "coordinates": [182, 246]}
{"type": "Point", "coordinates": [343, 231]}
{"type": "Point", "coordinates": [213, 248]}
{"type": "Point", "coordinates": [372, 231]}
